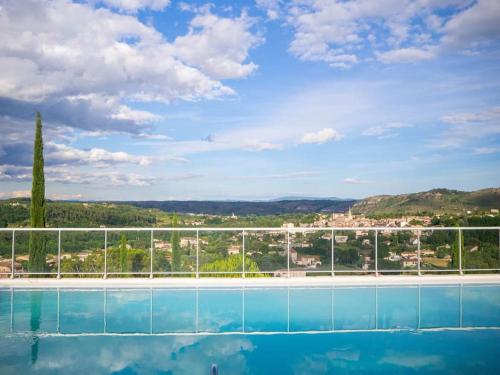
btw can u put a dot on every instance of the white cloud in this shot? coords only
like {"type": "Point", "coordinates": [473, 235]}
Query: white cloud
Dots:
{"type": "Point", "coordinates": [464, 118]}
{"type": "Point", "coordinates": [65, 197]}
{"type": "Point", "coordinates": [354, 181]}
{"type": "Point", "coordinates": [255, 145]}
{"type": "Point", "coordinates": [341, 33]}
{"type": "Point", "coordinates": [15, 193]}
{"type": "Point", "coordinates": [486, 150]}
{"type": "Point", "coordinates": [405, 55]}
{"type": "Point", "coordinates": [272, 7]}
{"type": "Point", "coordinates": [63, 154]}
{"type": "Point", "coordinates": [70, 175]}
{"type": "Point", "coordinates": [218, 46]}
{"type": "Point", "coordinates": [124, 112]}
{"type": "Point", "coordinates": [321, 136]}
{"type": "Point", "coordinates": [465, 127]}
{"type": "Point", "coordinates": [476, 25]}
{"type": "Point", "coordinates": [135, 5]}
{"type": "Point", "coordinates": [386, 130]}
{"type": "Point", "coordinates": [66, 175]}
{"type": "Point", "coordinates": [44, 52]}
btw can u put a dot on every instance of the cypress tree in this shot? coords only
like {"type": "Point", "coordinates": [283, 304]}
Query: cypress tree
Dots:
{"type": "Point", "coordinates": [37, 241]}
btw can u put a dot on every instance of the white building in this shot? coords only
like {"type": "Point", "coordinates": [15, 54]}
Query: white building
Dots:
{"type": "Point", "coordinates": [310, 261]}
{"type": "Point", "coordinates": [341, 239]}
{"type": "Point", "coordinates": [233, 250]}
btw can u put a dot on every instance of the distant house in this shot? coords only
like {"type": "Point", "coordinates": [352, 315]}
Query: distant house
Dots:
{"type": "Point", "coordinates": [233, 250]}
{"type": "Point", "coordinates": [409, 255]}
{"type": "Point", "coordinates": [341, 239]}
{"type": "Point", "coordinates": [6, 267]}
{"type": "Point", "coordinates": [427, 253]}
{"type": "Point", "coordinates": [162, 245]}
{"type": "Point", "coordinates": [361, 233]}
{"type": "Point", "coordinates": [310, 261]}
{"type": "Point", "coordinates": [410, 263]}
{"type": "Point", "coordinates": [393, 257]}
{"type": "Point", "coordinates": [366, 242]}
{"type": "Point", "coordinates": [187, 241]}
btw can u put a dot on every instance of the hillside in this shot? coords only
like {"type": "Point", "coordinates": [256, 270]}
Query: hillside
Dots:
{"type": "Point", "coordinates": [302, 206]}
{"type": "Point", "coordinates": [71, 214]}
{"type": "Point", "coordinates": [434, 201]}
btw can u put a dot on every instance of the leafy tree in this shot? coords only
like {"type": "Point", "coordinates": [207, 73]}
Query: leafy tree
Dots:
{"type": "Point", "coordinates": [37, 241]}
{"type": "Point", "coordinates": [176, 246]}
{"type": "Point", "coordinates": [123, 253]}
{"type": "Point", "coordinates": [233, 263]}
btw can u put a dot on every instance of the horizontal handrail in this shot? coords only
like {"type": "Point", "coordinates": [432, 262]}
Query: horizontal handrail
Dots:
{"type": "Point", "coordinates": [236, 229]}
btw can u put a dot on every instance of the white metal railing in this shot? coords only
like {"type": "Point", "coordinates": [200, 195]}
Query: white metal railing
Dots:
{"type": "Point", "coordinates": [244, 232]}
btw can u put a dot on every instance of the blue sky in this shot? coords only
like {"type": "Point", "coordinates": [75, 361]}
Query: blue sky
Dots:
{"type": "Point", "coordinates": [158, 99]}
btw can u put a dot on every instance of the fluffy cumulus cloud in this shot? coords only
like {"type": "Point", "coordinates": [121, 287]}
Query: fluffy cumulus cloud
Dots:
{"type": "Point", "coordinates": [83, 78]}
{"type": "Point", "coordinates": [321, 136]}
{"type": "Point", "coordinates": [218, 46]}
{"type": "Point", "coordinates": [63, 154]}
{"type": "Point", "coordinates": [343, 33]}
{"type": "Point", "coordinates": [62, 175]}
{"type": "Point", "coordinates": [46, 53]}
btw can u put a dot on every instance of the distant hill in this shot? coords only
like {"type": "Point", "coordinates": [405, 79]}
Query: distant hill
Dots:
{"type": "Point", "coordinates": [433, 201]}
{"type": "Point", "coordinates": [247, 207]}
{"type": "Point", "coordinates": [301, 198]}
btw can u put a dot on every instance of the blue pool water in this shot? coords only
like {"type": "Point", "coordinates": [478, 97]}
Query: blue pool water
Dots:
{"type": "Point", "coordinates": [324, 330]}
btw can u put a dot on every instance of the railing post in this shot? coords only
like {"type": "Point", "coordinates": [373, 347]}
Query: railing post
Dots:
{"type": "Point", "coordinates": [197, 254]}
{"type": "Point", "coordinates": [288, 252]}
{"type": "Point", "coordinates": [59, 254]}
{"type": "Point", "coordinates": [105, 253]}
{"type": "Point", "coordinates": [376, 252]}
{"type": "Point", "coordinates": [333, 252]}
{"type": "Point", "coordinates": [151, 256]}
{"type": "Point", "coordinates": [460, 251]}
{"type": "Point", "coordinates": [419, 258]}
{"type": "Point", "coordinates": [13, 266]}
{"type": "Point", "coordinates": [243, 252]}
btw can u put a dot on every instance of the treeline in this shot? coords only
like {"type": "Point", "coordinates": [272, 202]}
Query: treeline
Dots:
{"type": "Point", "coordinates": [247, 207]}
{"type": "Point", "coordinates": [61, 214]}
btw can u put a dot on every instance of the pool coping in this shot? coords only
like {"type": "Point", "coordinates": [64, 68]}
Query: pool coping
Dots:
{"type": "Point", "coordinates": [171, 282]}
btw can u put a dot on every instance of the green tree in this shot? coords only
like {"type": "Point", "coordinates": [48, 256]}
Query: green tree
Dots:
{"type": "Point", "coordinates": [232, 263]}
{"type": "Point", "coordinates": [37, 241]}
{"type": "Point", "coordinates": [455, 250]}
{"type": "Point", "coordinates": [176, 246]}
{"type": "Point", "coordinates": [123, 253]}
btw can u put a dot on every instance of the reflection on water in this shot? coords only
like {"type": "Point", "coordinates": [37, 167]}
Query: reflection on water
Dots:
{"type": "Point", "coordinates": [36, 314]}
{"type": "Point", "coordinates": [249, 310]}
{"type": "Point", "coordinates": [250, 330]}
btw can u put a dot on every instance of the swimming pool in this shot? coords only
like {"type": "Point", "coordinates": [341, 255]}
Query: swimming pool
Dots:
{"type": "Point", "coordinates": [282, 330]}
